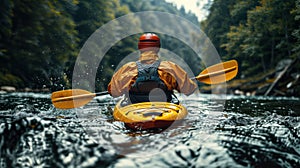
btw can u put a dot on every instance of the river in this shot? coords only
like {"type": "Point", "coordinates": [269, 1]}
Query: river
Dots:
{"type": "Point", "coordinates": [219, 131]}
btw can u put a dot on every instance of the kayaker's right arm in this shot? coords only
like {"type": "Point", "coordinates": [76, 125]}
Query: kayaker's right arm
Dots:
{"type": "Point", "coordinates": [176, 78]}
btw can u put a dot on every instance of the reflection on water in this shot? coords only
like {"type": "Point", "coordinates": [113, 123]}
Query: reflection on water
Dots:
{"type": "Point", "coordinates": [219, 131]}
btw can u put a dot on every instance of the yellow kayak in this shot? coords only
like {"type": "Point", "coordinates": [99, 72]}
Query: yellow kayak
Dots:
{"type": "Point", "coordinates": [149, 115]}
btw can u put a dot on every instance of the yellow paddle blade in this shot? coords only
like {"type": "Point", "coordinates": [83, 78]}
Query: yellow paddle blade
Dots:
{"type": "Point", "coordinates": [66, 99]}
{"type": "Point", "coordinates": [219, 73]}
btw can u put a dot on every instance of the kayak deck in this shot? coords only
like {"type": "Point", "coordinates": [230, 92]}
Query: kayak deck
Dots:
{"type": "Point", "coordinates": [149, 115]}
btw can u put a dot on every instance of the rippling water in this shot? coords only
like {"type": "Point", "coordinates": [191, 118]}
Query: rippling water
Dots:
{"type": "Point", "coordinates": [220, 131]}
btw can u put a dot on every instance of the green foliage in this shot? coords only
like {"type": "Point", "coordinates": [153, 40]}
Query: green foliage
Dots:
{"type": "Point", "coordinates": [257, 33]}
{"type": "Point", "coordinates": [218, 23]}
{"type": "Point", "coordinates": [39, 42]}
{"type": "Point", "coordinates": [40, 38]}
{"type": "Point", "coordinates": [10, 80]}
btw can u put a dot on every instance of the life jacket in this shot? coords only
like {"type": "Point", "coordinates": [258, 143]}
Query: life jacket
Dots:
{"type": "Point", "coordinates": [148, 86]}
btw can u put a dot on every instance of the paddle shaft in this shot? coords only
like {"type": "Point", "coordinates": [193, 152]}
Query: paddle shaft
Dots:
{"type": "Point", "coordinates": [77, 97]}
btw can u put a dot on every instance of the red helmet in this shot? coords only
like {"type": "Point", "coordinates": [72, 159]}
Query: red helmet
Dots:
{"type": "Point", "coordinates": [149, 41]}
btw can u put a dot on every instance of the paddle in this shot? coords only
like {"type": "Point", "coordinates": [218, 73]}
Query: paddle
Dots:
{"type": "Point", "coordinates": [72, 98]}
{"type": "Point", "coordinates": [219, 73]}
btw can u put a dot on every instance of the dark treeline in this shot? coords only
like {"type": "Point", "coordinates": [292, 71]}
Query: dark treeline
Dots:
{"type": "Point", "coordinates": [257, 33]}
{"type": "Point", "coordinates": [39, 42]}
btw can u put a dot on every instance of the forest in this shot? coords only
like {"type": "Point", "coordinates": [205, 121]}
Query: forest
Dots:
{"type": "Point", "coordinates": [261, 35]}
{"type": "Point", "coordinates": [39, 42]}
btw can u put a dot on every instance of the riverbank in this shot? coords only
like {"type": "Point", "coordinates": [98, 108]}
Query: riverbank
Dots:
{"type": "Point", "coordinates": [8, 89]}
{"type": "Point", "coordinates": [282, 81]}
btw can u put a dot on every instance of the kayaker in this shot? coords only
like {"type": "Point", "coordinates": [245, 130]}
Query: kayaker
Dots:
{"type": "Point", "coordinates": [150, 79]}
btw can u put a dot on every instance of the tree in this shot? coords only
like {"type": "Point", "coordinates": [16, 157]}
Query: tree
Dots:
{"type": "Point", "coordinates": [218, 23]}
{"type": "Point", "coordinates": [258, 35]}
{"type": "Point", "coordinates": [296, 32]}
{"type": "Point", "coordinates": [41, 38]}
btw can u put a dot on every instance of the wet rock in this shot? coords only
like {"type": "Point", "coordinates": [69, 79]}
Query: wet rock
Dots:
{"type": "Point", "coordinates": [27, 89]}
{"type": "Point", "coordinates": [8, 88]}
